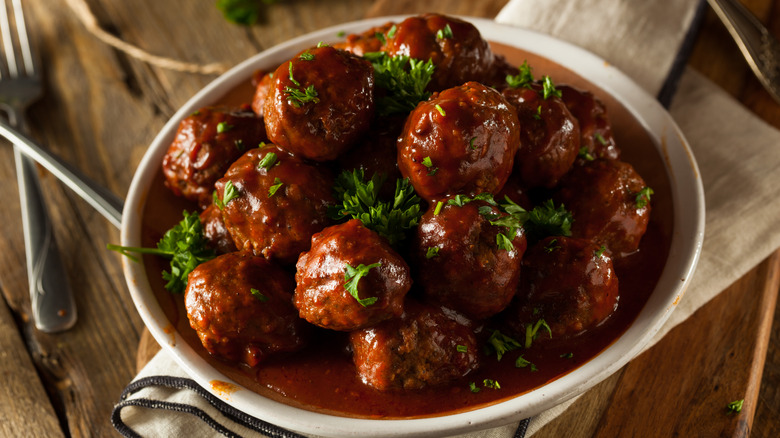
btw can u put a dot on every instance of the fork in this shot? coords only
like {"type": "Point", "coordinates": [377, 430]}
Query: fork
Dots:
{"type": "Point", "coordinates": [53, 306]}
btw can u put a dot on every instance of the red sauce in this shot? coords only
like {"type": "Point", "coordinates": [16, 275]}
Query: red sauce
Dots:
{"type": "Point", "coordinates": [323, 377]}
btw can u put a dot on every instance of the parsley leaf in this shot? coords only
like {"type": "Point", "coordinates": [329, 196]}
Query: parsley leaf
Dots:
{"type": "Point", "coordinates": [445, 32]}
{"type": "Point", "coordinates": [268, 161]}
{"type": "Point", "coordinates": [500, 344]}
{"type": "Point", "coordinates": [532, 331]}
{"type": "Point", "coordinates": [403, 78]}
{"type": "Point", "coordinates": [359, 199]}
{"type": "Point", "coordinates": [523, 79]}
{"type": "Point", "coordinates": [299, 96]}
{"type": "Point", "coordinates": [184, 245]}
{"type": "Point", "coordinates": [351, 278]}
{"type": "Point", "coordinates": [643, 197]}
{"type": "Point", "coordinates": [274, 188]}
{"type": "Point", "coordinates": [243, 12]}
{"type": "Point", "coordinates": [548, 88]}
{"type": "Point", "coordinates": [259, 295]}
{"type": "Point", "coordinates": [735, 406]}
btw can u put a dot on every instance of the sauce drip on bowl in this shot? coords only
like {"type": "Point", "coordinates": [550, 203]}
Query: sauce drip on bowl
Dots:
{"type": "Point", "coordinates": [322, 377]}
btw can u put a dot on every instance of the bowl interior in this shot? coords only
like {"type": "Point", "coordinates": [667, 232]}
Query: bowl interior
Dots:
{"type": "Point", "coordinates": [685, 208]}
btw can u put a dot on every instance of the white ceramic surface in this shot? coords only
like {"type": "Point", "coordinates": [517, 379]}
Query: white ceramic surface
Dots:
{"type": "Point", "coordinates": [688, 204]}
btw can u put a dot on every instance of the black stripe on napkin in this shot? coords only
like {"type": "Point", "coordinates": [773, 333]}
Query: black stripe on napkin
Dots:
{"type": "Point", "coordinates": [669, 87]}
{"type": "Point", "coordinates": [226, 410]}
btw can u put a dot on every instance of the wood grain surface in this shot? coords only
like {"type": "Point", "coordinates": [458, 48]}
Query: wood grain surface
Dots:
{"type": "Point", "coordinates": [101, 110]}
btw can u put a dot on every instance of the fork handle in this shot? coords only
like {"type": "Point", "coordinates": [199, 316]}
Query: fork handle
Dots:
{"type": "Point", "coordinates": [53, 305]}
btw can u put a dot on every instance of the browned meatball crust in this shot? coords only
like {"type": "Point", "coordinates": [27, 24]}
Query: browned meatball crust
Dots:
{"type": "Point", "coordinates": [596, 139]}
{"type": "Point", "coordinates": [567, 282]}
{"type": "Point", "coordinates": [262, 82]}
{"type": "Point", "coordinates": [426, 346]}
{"type": "Point", "coordinates": [206, 143]}
{"type": "Point", "coordinates": [455, 47]}
{"type": "Point", "coordinates": [459, 261]}
{"type": "Point", "coordinates": [602, 198]}
{"type": "Point", "coordinates": [549, 136]}
{"type": "Point", "coordinates": [330, 122]}
{"type": "Point", "coordinates": [240, 306]}
{"type": "Point", "coordinates": [321, 296]}
{"type": "Point", "coordinates": [214, 230]}
{"type": "Point", "coordinates": [462, 140]}
{"type": "Point", "coordinates": [277, 206]}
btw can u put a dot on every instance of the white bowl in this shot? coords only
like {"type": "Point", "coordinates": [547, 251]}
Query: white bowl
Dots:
{"type": "Point", "coordinates": [688, 230]}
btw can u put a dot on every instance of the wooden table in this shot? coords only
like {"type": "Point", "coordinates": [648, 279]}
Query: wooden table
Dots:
{"type": "Point", "coordinates": [101, 110]}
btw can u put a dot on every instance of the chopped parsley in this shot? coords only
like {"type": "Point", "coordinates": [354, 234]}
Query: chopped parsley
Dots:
{"type": "Point", "coordinates": [600, 139]}
{"type": "Point", "coordinates": [445, 32]}
{"type": "Point", "coordinates": [437, 209]}
{"type": "Point", "coordinates": [548, 88]}
{"type": "Point", "coordinates": [585, 154]}
{"type": "Point", "coordinates": [473, 387]}
{"type": "Point", "coordinates": [462, 349]}
{"type": "Point", "coordinates": [551, 246]}
{"type": "Point", "coordinates": [523, 79]}
{"type": "Point", "coordinates": [735, 406]}
{"type": "Point", "coordinates": [599, 252]}
{"type": "Point", "coordinates": [184, 245]}
{"type": "Point", "coordinates": [275, 187]}
{"type": "Point", "coordinates": [567, 355]}
{"type": "Point", "coordinates": [269, 160]}
{"type": "Point", "coordinates": [532, 331]}
{"type": "Point", "coordinates": [307, 56]}
{"type": "Point", "coordinates": [643, 197]}
{"type": "Point", "coordinates": [490, 383]}
{"type": "Point", "coordinates": [223, 127]}
{"type": "Point", "coordinates": [471, 143]}
{"type": "Point", "coordinates": [500, 344]}
{"type": "Point", "coordinates": [230, 193]}
{"type": "Point", "coordinates": [427, 162]}
{"type": "Point", "coordinates": [351, 278]}
{"type": "Point", "coordinates": [522, 362]}
{"type": "Point", "coordinates": [259, 295]}
{"type": "Point", "coordinates": [359, 199]}
{"type": "Point", "coordinates": [432, 252]}
{"type": "Point", "coordinates": [440, 110]}
{"type": "Point", "coordinates": [297, 96]}
{"type": "Point", "coordinates": [392, 31]}
{"type": "Point", "coordinates": [403, 78]}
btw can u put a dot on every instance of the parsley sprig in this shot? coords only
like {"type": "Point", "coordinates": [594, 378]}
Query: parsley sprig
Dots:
{"type": "Point", "coordinates": [297, 96]}
{"type": "Point", "coordinates": [184, 245]}
{"type": "Point", "coordinates": [351, 278]}
{"type": "Point", "coordinates": [403, 78]}
{"type": "Point", "coordinates": [522, 79]}
{"type": "Point", "coordinates": [359, 199]}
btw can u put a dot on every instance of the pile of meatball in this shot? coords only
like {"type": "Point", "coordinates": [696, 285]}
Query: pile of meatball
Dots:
{"type": "Point", "coordinates": [263, 175]}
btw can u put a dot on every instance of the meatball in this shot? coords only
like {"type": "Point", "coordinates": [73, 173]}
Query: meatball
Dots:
{"type": "Point", "coordinates": [262, 82]}
{"type": "Point", "coordinates": [272, 203]}
{"type": "Point", "coordinates": [549, 135]}
{"type": "Point", "coordinates": [343, 254]}
{"type": "Point", "coordinates": [596, 139]}
{"type": "Point", "coordinates": [206, 143]}
{"type": "Point", "coordinates": [462, 140]}
{"type": "Point", "coordinates": [455, 47]}
{"type": "Point", "coordinates": [320, 103]}
{"type": "Point", "coordinates": [461, 263]}
{"type": "Point", "coordinates": [240, 306]}
{"type": "Point", "coordinates": [606, 200]}
{"type": "Point", "coordinates": [377, 153]}
{"type": "Point", "coordinates": [214, 230]}
{"type": "Point", "coordinates": [567, 282]}
{"type": "Point", "coordinates": [368, 41]}
{"type": "Point", "coordinates": [426, 346]}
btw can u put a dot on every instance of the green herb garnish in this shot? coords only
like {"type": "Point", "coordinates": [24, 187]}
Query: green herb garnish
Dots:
{"type": "Point", "coordinates": [548, 88]}
{"type": "Point", "coordinates": [462, 349]}
{"type": "Point", "coordinates": [735, 406]}
{"type": "Point", "coordinates": [223, 127]}
{"type": "Point", "coordinates": [259, 295]}
{"type": "Point", "coordinates": [268, 161]}
{"type": "Point", "coordinates": [404, 79]}
{"type": "Point", "coordinates": [230, 192]}
{"type": "Point", "coordinates": [243, 12]}
{"type": "Point", "coordinates": [297, 96]}
{"type": "Point", "coordinates": [359, 199]}
{"type": "Point", "coordinates": [643, 197]}
{"type": "Point", "coordinates": [532, 331]}
{"type": "Point", "coordinates": [351, 278]}
{"type": "Point", "coordinates": [432, 252]}
{"type": "Point", "coordinates": [523, 79]}
{"type": "Point", "coordinates": [445, 32]}
{"type": "Point", "coordinates": [274, 188]}
{"type": "Point", "coordinates": [490, 383]}
{"type": "Point", "coordinates": [184, 245]}
{"type": "Point", "coordinates": [500, 344]}
{"type": "Point", "coordinates": [584, 153]}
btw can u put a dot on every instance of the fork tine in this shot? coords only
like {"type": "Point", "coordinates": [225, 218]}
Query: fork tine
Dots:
{"type": "Point", "coordinates": [24, 40]}
{"type": "Point", "coordinates": [8, 43]}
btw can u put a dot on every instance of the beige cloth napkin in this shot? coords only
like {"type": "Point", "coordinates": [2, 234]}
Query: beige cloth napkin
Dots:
{"type": "Point", "coordinates": [737, 153]}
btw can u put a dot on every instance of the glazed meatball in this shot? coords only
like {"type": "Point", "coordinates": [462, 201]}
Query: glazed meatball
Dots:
{"type": "Point", "coordinates": [368, 41]}
{"type": "Point", "coordinates": [462, 140]}
{"type": "Point", "coordinates": [455, 47]}
{"type": "Point", "coordinates": [460, 261]}
{"type": "Point", "coordinates": [206, 143]}
{"type": "Point", "coordinates": [549, 135]}
{"type": "Point", "coordinates": [214, 230]}
{"type": "Point", "coordinates": [606, 201]}
{"type": "Point", "coordinates": [596, 139]}
{"type": "Point", "coordinates": [320, 103]}
{"type": "Point", "coordinates": [426, 346]}
{"type": "Point", "coordinates": [567, 282]}
{"type": "Point", "coordinates": [274, 203]}
{"type": "Point", "coordinates": [240, 306]}
{"type": "Point", "coordinates": [262, 82]}
{"type": "Point", "coordinates": [322, 295]}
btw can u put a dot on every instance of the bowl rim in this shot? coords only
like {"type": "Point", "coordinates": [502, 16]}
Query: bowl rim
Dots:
{"type": "Point", "coordinates": [684, 252]}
